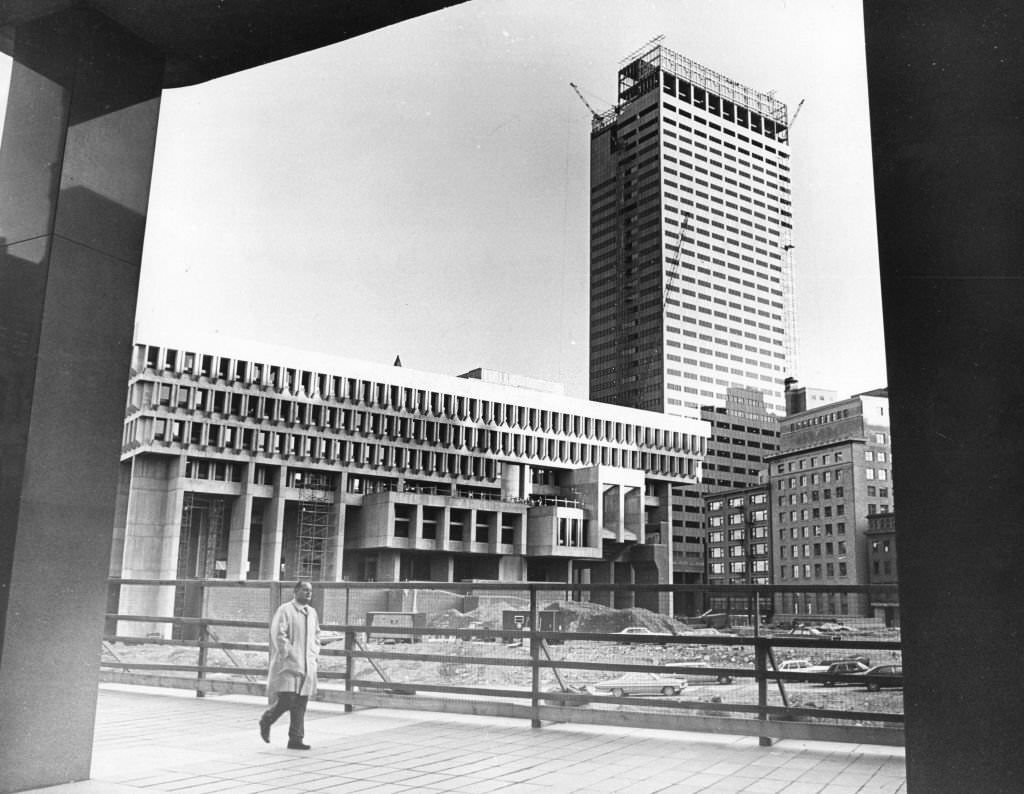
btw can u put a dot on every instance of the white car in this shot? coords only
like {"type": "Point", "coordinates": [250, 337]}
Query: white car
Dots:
{"type": "Point", "coordinates": [640, 684]}
{"type": "Point", "coordinates": [834, 627]}
{"type": "Point", "coordinates": [642, 631]}
{"type": "Point", "coordinates": [690, 676]}
{"type": "Point", "coordinates": [796, 666]}
{"type": "Point", "coordinates": [707, 632]}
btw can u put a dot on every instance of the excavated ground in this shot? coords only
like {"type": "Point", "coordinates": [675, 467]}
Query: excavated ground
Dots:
{"type": "Point", "coordinates": [461, 668]}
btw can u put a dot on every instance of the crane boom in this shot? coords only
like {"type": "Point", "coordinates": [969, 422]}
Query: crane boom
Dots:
{"type": "Point", "coordinates": [583, 99]}
{"type": "Point", "coordinates": [673, 272]}
{"type": "Point", "coordinates": [792, 119]}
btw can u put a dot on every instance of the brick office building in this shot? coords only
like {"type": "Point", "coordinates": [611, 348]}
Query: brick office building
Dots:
{"type": "Point", "coordinates": [833, 470]}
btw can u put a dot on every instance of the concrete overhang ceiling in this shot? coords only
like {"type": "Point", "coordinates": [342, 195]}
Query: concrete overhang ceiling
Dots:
{"type": "Point", "coordinates": [204, 39]}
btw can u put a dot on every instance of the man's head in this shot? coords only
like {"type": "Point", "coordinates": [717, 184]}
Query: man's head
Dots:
{"type": "Point", "coordinates": [303, 591]}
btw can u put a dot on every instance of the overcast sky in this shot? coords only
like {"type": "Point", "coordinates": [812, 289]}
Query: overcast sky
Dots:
{"type": "Point", "coordinates": [423, 190]}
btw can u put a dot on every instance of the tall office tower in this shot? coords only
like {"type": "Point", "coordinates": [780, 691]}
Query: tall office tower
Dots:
{"type": "Point", "coordinates": [690, 271]}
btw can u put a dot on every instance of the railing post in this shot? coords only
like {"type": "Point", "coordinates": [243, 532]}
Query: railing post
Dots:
{"type": "Point", "coordinates": [113, 607]}
{"type": "Point", "coordinates": [761, 648]}
{"type": "Point", "coordinates": [534, 660]}
{"type": "Point", "coordinates": [273, 599]}
{"type": "Point", "coordinates": [203, 654]}
{"type": "Point", "coordinates": [350, 643]}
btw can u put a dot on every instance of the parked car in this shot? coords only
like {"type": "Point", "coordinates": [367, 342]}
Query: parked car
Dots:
{"type": "Point", "coordinates": [853, 657]}
{"type": "Point", "coordinates": [689, 676]}
{"type": "Point", "coordinates": [640, 684]}
{"type": "Point", "coordinates": [832, 628]}
{"type": "Point", "coordinates": [795, 666]}
{"type": "Point", "coordinates": [706, 632]}
{"type": "Point", "coordinates": [889, 675]}
{"type": "Point", "coordinates": [642, 631]}
{"type": "Point", "coordinates": [848, 667]}
{"type": "Point", "coordinates": [810, 631]}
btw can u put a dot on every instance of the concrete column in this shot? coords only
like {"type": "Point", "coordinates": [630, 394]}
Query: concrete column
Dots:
{"type": "Point", "coordinates": [334, 570]}
{"type": "Point", "coordinates": [494, 533]}
{"type": "Point", "coordinates": [633, 511]}
{"type": "Point", "coordinates": [273, 531]}
{"type": "Point", "coordinates": [75, 168]}
{"type": "Point", "coordinates": [947, 95]}
{"type": "Point", "coordinates": [652, 564]}
{"type": "Point", "coordinates": [152, 540]}
{"type": "Point", "coordinates": [388, 565]}
{"type": "Point", "coordinates": [238, 532]}
{"type": "Point", "coordinates": [601, 573]}
{"type": "Point", "coordinates": [623, 574]}
{"type": "Point", "coordinates": [512, 568]}
{"type": "Point", "coordinates": [443, 531]}
{"type": "Point", "coordinates": [511, 481]}
{"type": "Point", "coordinates": [612, 511]}
{"type": "Point", "coordinates": [442, 568]}
{"type": "Point", "coordinates": [124, 484]}
{"type": "Point", "coordinates": [416, 528]}
{"type": "Point", "coordinates": [470, 534]}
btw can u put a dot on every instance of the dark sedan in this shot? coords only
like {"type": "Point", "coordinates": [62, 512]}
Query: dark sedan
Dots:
{"type": "Point", "coordinates": [884, 676]}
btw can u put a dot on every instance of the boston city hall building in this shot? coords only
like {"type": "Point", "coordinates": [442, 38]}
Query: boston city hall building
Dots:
{"type": "Point", "coordinates": [301, 465]}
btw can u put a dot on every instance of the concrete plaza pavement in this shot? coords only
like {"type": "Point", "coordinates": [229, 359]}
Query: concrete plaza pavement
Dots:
{"type": "Point", "coordinates": [151, 740]}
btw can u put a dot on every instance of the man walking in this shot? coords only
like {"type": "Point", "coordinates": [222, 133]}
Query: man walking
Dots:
{"type": "Point", "coordinates": [291, 679]}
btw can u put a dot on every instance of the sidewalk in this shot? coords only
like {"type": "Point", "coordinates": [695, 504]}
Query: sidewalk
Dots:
{"type": "Point", "coordinates": [160, 741]}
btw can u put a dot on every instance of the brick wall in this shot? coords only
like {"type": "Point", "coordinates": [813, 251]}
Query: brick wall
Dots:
{"type": "Point", "coordinates": [238, 603]}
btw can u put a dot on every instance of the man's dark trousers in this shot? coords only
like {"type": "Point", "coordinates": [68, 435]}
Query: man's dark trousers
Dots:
{"type": "Point", "coordinates": [295, 705]}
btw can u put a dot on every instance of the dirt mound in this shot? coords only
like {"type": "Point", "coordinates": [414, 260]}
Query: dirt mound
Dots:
{"type": "Point", "coordinates": [582, 616]}
{"type": "Point", "coordinates": [449, 619]}
{"type": "Point", "coordinates": [489, 615]}
{"type": "Point", "coordinates": [587, 616]}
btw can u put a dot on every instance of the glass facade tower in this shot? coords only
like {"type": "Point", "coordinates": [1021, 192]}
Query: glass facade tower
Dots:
{"type": "Point", "coordinates": [691, 269]}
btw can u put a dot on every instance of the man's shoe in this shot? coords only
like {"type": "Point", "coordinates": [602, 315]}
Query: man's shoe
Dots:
{"type": "Point", "coordinates": [264, 731]}
{"type": "Point", "coordinates": [293, 745]}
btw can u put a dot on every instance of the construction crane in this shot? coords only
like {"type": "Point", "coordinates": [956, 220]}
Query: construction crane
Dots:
{"type": "Point", "coordinates": [583, 99]}
{"type": "Point", "coordinates": [792, 119]}
{"type": "Point", "coordinates": [673, 272]}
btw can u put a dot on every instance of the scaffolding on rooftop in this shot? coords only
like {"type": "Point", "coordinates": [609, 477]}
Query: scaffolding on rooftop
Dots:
{"type": "Point", "coordinates": [643, 65]}
{"type": "Point", "coordinates": [314, 527]}
{"type": "Point", "coordinates": [678, 65]}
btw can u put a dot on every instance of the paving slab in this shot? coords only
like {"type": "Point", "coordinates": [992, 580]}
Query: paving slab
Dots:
{"type": "Point", "coordinates": [151, 740]}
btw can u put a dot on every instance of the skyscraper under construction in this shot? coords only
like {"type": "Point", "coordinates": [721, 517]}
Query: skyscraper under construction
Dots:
{"type": "Point", "coordinates": [691, 272]}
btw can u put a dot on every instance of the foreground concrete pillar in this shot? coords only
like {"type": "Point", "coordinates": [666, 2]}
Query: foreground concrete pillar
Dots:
{"type": "Point", "coordinates": [75, 169]}
{"type": "Point", "coordinates": [947, 98]}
